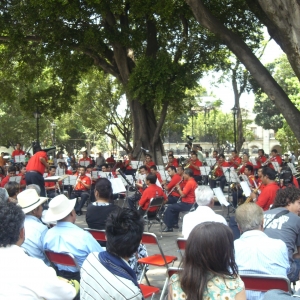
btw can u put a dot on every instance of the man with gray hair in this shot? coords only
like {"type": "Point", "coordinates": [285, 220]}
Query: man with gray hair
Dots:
{"type": "Point", "coordinates": [3, 195]}
{"type": "Point", "coordinates": [203, 213]}
{"type": "Point", "coordinates": [255, 252]}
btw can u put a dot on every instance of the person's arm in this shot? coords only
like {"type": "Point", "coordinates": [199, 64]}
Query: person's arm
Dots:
{"type": "Point", "coordinates": [297, 255]}
{"type": "Point", "coordinates": [185, 190]}
{"type": "Point", "coordinates": [44, 162]}
{"type": "Point", "coordinates": [87, 185]}
{"type": "Point", "coordinates": [144, 198]}
{"type": "Point", "coordinates": [241, 295]}
{"type": "Point", "coordinates": [170, 292]}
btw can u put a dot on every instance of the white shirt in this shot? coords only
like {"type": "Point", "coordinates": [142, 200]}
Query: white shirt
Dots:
{"type": "Point", "coordinates": [200, 215]}
{"type": "Point", "coordinates": [98, 283]}
{"type": "Point", "coordinates": [25, 277]}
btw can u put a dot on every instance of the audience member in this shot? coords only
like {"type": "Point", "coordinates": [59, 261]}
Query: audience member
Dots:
{"type": "Point", "coordinates": [107, 275]}
{"type": "Point", "coordinates": [255, 252]}
{"type": "Point", "coordinates": [203, 213]}
{"type": "Point", "coordinates": [282, 222]}
{"type": "Point", "coordinates": [22, 276]}
{"type": "Point", "coordinates": [209, 269]}
{"type": "Point", "coordinates": [32, 206]}
{"type": "Point", "coordinates": [66, 236]}
{"type": "Point", "coordinates": [3, 195]}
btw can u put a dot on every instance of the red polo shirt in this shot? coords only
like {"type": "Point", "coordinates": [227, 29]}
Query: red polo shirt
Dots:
{"type": "Point", "coordinates": [258, 163]}
{"type": "Point", "coordinates": [34, 163]}
{"type": "Point", "coordinates": [85, 159]}
{"type": "Point", "coordinates": [267, 196]}
{"type": "Point", "coordinates": [85, 179]}
{"type": "Point", "coordinates": [5, 181]}
{"type": "Point", "coordinates": [197, 163]}
{"type": "Point", "coordinates": [189, 191]}
{"type": "Point", "coordinates": [174, 180]}
{"type": "Point", "coordinates": [242, 170]}
{"type": "Point", "coordinates": [17, 152]}
{"type": "Point", "coordinates": [150, 192]}
{"type": "Point", "coordinates": [158, 176]}
{"type": "Point", "coordinates": [219, 171]}
{"type": "Point", "coordinates": [236, 161]}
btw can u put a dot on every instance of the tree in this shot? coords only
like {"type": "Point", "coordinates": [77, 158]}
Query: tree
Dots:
{"type": "Point", "coordinates": [155, 49]}
{"type": "Point", "coordinates": [287, 139]}
{"type": "Point", "coordinates": [234, 41]}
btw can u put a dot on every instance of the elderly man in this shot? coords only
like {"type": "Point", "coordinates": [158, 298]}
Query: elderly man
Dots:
{"type": "Point", "coordinates": [22, 276]}
{"type": "Point", "coordinates": [3, 195]}
{"type": "Point", "coordinates": [66, 236]}
{"type": "Point", "coordinates": [100, 160]}
{"type": "Point", "coordinates": [32, 206]}
{"type": "Point", "coordinates": [255, 252]}
{"type": "Point", "coordinates": [203, 213]}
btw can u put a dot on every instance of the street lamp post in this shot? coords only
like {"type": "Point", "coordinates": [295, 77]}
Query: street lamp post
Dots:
{"type": "Point", "coordinates": [53, 125]}
{"type": "Point", "coordinates": [37, 116]}
{"type": "Point", "coordinates": [234, 111]}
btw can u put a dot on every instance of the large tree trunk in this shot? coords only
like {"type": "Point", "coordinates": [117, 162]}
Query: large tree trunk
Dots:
{"type": "Point", "coordinates": [251, 62]}
{"type": "Point", "coordinates": [281, 17]}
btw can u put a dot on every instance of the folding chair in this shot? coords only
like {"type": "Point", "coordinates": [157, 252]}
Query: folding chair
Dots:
{"type": "Point", "coordinates": [99, 235]}
{"type": "Point", "coordinates": [158, 203]}
{"type": "Point", "coordinates": [63, 258]}
{"type": "Point", "coordinates": [158, 260]}
{"type": "Point", "coordinates": [264, 283]}
{"type": "Point", "coordinates": [181, 243]}
{"type": "Point", "coordinates": [148, 291]}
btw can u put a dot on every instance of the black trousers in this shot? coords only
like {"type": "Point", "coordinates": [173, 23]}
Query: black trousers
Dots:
{"type": "Point", "coordinates": [84, 195]}
{"type": "Point", "coordinates": [33, 177]}
{"type": "Point", "coordinates": [172, 212]}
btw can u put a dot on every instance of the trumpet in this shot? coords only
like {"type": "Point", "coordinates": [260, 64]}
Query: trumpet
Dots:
{"type": "Point", "coordinates": [213, 172]}
{"type": "Point", "coordinates": [267, 161]}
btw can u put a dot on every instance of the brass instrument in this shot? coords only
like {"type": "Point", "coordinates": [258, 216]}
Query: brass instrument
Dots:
{"type": "Point", "coordinates": [268, 161]}
{"type": "Point", "coordinates": [213, 172]}
{"type": "Point", "coordinates": [249, 199]}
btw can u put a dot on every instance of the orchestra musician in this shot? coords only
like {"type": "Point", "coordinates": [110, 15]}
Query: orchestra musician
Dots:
{"type": "Point", "coordinates": [81, 189]}
{"type": "Point", "coordinates": [52, 187]}
{"type": "Point", "coordinates": [215, 154]}
{"type": "Point", "coordinates": [235, 159]}
{"type": "Point", "coordinates": [173, 194]}
{"type": "Point", "coordinates": [194, 165]}
{"type": "Point", "coordinates": [260, 159]}
{"type": "Point", "coordinates": [85, 158]}
{"type": "Point", "coordinates": [153, 170]}
{"type": "Point", "coordinates": [140, 185]}
{"type": "Point", "coordinates": [11, 172]}
{"type": "Point", "coordinates": [275, 157]}
{"type": "Point", "coordinates": [23, 181]}
{"type": "Point", "coordinates": [171, 162]}
{"type": "Point", "coordinates": [219, 173]}
{"type": "Point", "coordinates": [245, 163]}
{"type": "Point", "coordinates": [149, 162]}
{"type": "Point", "coordinates": [17, 151]}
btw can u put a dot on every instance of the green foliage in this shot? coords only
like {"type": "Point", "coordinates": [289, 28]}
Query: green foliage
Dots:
{"type": "Point", "coordinates": [287, 139]}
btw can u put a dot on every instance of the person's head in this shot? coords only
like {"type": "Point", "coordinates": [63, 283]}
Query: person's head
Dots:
{"type": "Point", "coordinates": [209, 249]}
{"type": "Point", "coordinates": [204, 196]}
{"type": "Point", "coordinates": [245, 157]}
{"type": "Point", "coordinates": [11, 171]}
{"type": "Point", "coordinates": [194, 157]}
{"type": "Point", "coordinates": [261, 152]}
{"type": "Point", "coordinates": [215, 154]}
{"type": "Point", "coordinates": [153, 169]}
{"type": "Point", "coordinates": [23, 170]}
{"type": "Point", "coordinates": [84, 154]}
{"type": "Point", "coordinates": [170, 153]}
{"type": "Point", "coordinates": [143, 170]}
{"type": "Point", "coordinates": [103, 189]}
{"type": "Point", "coordinates": [199, 148]}
{"type": "Point", "coordinates": [288, 198]}
{"type": "Point", "coordinates": [82, 170]}
{"type": "Point", "coordinates": [61, 209]}
{"type": "Point", "coordinates": [171, 170]}
{"type": "Point", "coordinates": [234, 153]}
{"type": "Point", "coordinates": [35, 187]}
{"type": "Point", "coordinates": [100, 154]}
{"type": "Point", "coordinates": [170, 158]}
{"type": "Point", "coordinates": [180, 170]}
{"type": "Point", "coordinates": [12, 230]}
{"type": "Point", "coordinates": [188, 173]}
{"type": "Point", "coordinates": [108, 169]}
{"type": "Point", "coordinates": [249, 216]}
{"type": "Point", "coordinates": [104, 168]}
{"type": "Point", "coordinates": [52, 170]}
{"type": "Point", "coordinates": [151, 178]}
{"type": "Point", "coordinates": [248, 170]}
{"type": "Point", "coordinates": [18, 146]}
{"type": "Point", "coordinates": [221, 158]}
{"type": "Point", "coordinates": [148, 157]}
{"type": "Point", "coordinates": [3, 195]}
{"type": "Point", "coordinates": [274, 152]}
{"type": "Point", "coordinates": [259, 172]}
{"type": "Point", "coordinates": [13, 189]}
{"type": "Point", "coordinates": [268, 175]}
{"type": "Point", "coordinates": [124, 230]}
{"type": "Point", "coordinates": [89, 168]}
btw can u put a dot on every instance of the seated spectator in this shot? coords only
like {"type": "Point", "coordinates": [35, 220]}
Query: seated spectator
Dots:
{"type": "Point", "coordinates": [66, 236]}
{"type": "Point", "coordinates": [32, 206]}
{"type": "Point", "coordinates": [107, 275]}
{"type": "Point", "coordinates": [209, 269]}
{"type": "Point", "coordinates": [3, 195]}
{"type": "Point", "coordinates": [255, 252]}
{"type": "Point", "coordinates": [97, 213]}
{"type": "Point", "coordinates": [13, 189]}
{"type": "Point", "coordinates": [203, 213]}
{"type": "Point", "coordinates": [282, 222]}
{"type": "Point", "coordinates": [22, 276]}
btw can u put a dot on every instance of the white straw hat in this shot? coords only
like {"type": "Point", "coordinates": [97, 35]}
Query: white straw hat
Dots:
{"type": "Point", "coordinates": [29, 200]}
{"type": "Point", "coordinates": [59, 207]}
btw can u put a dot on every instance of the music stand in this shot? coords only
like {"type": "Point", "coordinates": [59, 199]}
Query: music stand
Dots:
{"type": "Point", "coordinates": [117, 186]}
{"type": "Point", "coordinates": [84, 163]}
{"type": "Point", "coordinates": [19, 159]}
{"type": "Point", "coordinates": [134, 164]}
{"type": "Point", "coordinates": [292, 167]}
{"type": "Point", "coordinates": [245, 187]}
{"type": "Point", "coordinates": [253, 161]}
{"type": "Point", "coordinates": [276, 166]}
{"type": "Point", "coordinates": [16, 179]}
{"type": "Point", "coordinates": [102, 174]}
{"type": "Point", "coordinates": [223, 201]}
{"type": "Point", "coordinates": [59, 172]}
{"type": "Point", "coordinates": [211, 161]}
{"type": "Point", "coordinates": [205, 171]}
{"type": "Point", "coordinates": [70, 181]}
{"type": "Point", "coordinates": [245, 178]}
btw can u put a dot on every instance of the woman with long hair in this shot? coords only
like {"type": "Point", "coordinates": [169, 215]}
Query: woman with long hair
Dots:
{"type": "Point", "coordinates": [209, 269]}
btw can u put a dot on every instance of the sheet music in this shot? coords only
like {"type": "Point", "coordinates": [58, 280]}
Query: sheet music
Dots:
{"type": "Point", "coordinates": [246, 179]}
{"type": "Point", "coordinates": [246, 189]}
{"type": "Point", "coordinates": [20, 158]}
{"type": "Point", "coordinates": [220, 196]}
{"type": "Point", "coordinates": [52, 178]}
{"type": "Point", "coordinates": [292, 167]}
{"type": "Point", "coordinates": [275, 165]}
{"type": "Point", "coordinates": [231, 175]}
{"type": "Point", "coordinates": [70, 180]}
{"type": "Point", "coordinates": [253, 161]}
{"type": "Point", "coordinates": [135, 163]}
{"type": "Point", "coordinates": [84, 163]}
{"type": "Point", "coordinates": [94, 174]}
{"type": "Point", "coordinates": [45, 175]}
{"type": "Point", "coordinates": [165, 159]}
{"type": "Point", "coordinates": [59, 172]}
{"type": "Point", "coordinates": [16, 179]}
{"type": "Point", "coordinates": [102, 174]}
{"type": "Point", "coordinates": [117, 186]}
{"type": "Point", "coordinates": [205, 170]}
{"type": "Point", "coordinates": [123, 180]}
{"type": "Point", "coordinates": [211, 161]}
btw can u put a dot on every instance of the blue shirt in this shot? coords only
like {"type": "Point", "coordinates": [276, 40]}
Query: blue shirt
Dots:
{"type": "Point", "coordinates": [35, 232]}
{"type": "Point", "coordinates": [256, 253]}
{"type": "Point", "coordinates": [67, 237]}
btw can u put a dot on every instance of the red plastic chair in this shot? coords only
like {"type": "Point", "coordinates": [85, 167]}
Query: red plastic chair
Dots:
{"type": "Point", "coordinates": [264, 283]}
{"type": "Point", "coordinates": [158, 260]}
{"type": "Point", "coordinates": [181, 244]}
{"type": "Point", "coordinates": [63, 258]}
{"type": "Point", "coordinates": [99, 235]}
{"type": "Point", "coordinates": [148, 291]}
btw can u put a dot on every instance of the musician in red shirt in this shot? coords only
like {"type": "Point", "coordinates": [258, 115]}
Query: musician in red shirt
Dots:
{"type": "Point", "coordinates": [173, 194]}
{"type": "Point", "coordinates": [187, 201]}
{"type": "Point", "coordinates": [275, 157]}
{"type": "Point", "coordinates": [51, 186]}
{"type": "Point", "coordinates": [110, 160]}
{"type": "Point", "coordinates": [261, 159]}
{"type": "Point", "coordinates": [267, 196]}
{"type": "Point", "coordinates": [153, 170]}
{"type": "Point", "coordinates": [235, 159]}
{"type": "Point", "coordinates": [82, 189]}
{"type": "Point", "coordinates": [35, 169]}
{"type": "Point", "coordinates": [246, 162]}
{"type": "Point", "coordinates": [218, 172]}
{"type": "Point", "coordinates": [11, 173]}
{"type": "Point", "coordinates": [149, 162]}
{"type": "Point", "coordinates": [23, 181]}
{"type": "Point", "coordinates": [84, 158]}
{"type": "Point", "coordinates": [17, 152]}
{"type": "Point", "coordinates": [171, 162]}
{"type": "Point", "coordinates": [150, 192]}
{"type": "Point", "coordinates": [195, 165]}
